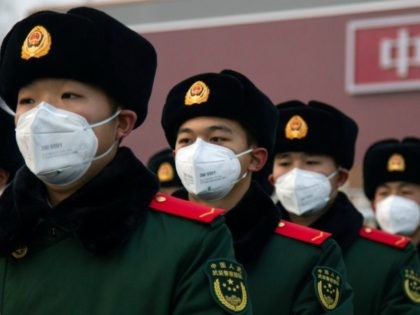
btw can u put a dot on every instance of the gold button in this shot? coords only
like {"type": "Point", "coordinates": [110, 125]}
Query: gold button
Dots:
{"type": "Point", "coordinates": [20, 252]}
{"type": "Point", "coordinates": [160, 198]}
{"type": "Point", "coordinates": [282, 224]}
{"type": "Point", "coordinates": [368, 230]}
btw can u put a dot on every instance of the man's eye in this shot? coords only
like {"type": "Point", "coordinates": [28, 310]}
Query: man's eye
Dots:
{"type": "Point", "coordinates": [26, 101]}
{"type": "Point", "coordinates": [69, 95]}
{"type": "Point", "coordinates": [217, 139]}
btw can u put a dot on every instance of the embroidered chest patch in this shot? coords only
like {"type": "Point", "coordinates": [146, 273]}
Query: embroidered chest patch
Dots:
{"type": "Point", "coordinates": [227, 285]}
{"type": "Point", "coordinates": [328, 286]}
{"type": "Point", "coordinates": [411, 284]}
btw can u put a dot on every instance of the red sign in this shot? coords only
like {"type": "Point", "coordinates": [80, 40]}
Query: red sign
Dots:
{"type": "Point", "coordinates": [383, 55]}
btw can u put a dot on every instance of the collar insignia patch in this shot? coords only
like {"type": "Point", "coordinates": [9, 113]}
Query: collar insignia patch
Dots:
{"type": "Point", "coordinates": [227, 285]}
{"type": "Point", "coordinates": [396, 163]}
{"type": "Point", "coordinates": [328, 285]}
{"type": "Point", "coordinates": [37, 44]}
{"type": "Point", "coordinates": [411, 284]}
{"type": "Point", "coordinates": [296, 128]}
{"type": "Point", "coordinates": [198, 93]}
{"type": "Point", "coordinates": [165, 172]}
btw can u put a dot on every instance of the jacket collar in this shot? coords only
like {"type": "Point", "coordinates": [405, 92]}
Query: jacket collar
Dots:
{"type": "Point", "coordinates": [102, 214]}
{"type": "Point", "coordinates": [342, 220]}
{"type": "Point", "coordinates": [252, 222]}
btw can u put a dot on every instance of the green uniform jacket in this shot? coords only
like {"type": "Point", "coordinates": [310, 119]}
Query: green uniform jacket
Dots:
{"type": "Point", "coordinates": [283, 260]}
{"type": "Point", "coordinates": [105, 251]}
{"type": "Point", "coordinates": [382, 268]}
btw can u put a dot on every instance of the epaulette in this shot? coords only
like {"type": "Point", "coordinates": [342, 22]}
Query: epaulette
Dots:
{"type": "Point", "coordinates": [301, 232]}
{"type": "Point", "coordinates": [183, 208]}
{"type": "Point", "coordinates": [379, 236]}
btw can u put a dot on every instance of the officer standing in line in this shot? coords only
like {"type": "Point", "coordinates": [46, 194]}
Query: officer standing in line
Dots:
{"type": "Point", "coordinates": [82, 228]}
{"type": "Point", "coordinates": [10, 157]}
{"type": "Point", "coordinates": [162, 163]}
{"type": "Point", "coordinates": [222, 129]}
{"type": "Point", "coordinates": [314, 153]}
{"type": "Point", "coordinates": [391, 181]}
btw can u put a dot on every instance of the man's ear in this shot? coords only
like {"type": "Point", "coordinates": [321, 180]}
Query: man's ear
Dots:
{"type": "Point", "coordinates": [271, 179]}
{"type": "Point", "coordinates": [259, 157]}
{"type": "Point", "coordinates": [342, 176]}
{"type": "Point", "coordinates": [126, 121]}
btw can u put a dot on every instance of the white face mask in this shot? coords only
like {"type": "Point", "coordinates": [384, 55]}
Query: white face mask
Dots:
{"type": "Point", "coordinates": [207, 170]}
{"type": "Point", "coordinates": [398, 215]}
{"type": "Point", "coordinates": [58, 146]}
{"type": "Point", "coordinates": [303, 192]}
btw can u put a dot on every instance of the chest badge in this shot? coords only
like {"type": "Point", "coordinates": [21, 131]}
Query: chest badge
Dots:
{"type": "Point", "coordinates": [227, 285]}
{"type": "Point", "coordinates": [411, 284]}
{"type": "Point", "coordinates": [327, 287]}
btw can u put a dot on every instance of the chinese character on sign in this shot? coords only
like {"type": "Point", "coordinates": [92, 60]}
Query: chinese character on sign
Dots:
{"type": "Point", "coordinates": [383, 54]}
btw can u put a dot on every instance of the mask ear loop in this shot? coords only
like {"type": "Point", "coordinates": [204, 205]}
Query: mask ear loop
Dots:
{"type": "Point", "coordinates": [106, 120]}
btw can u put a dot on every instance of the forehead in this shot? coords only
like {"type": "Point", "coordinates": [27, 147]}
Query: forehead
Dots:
{"type": "Point", "coordinates": [400, 185]}
{"type": "Point", "coordinates": [208, 124]}
{"type": "Point", "coordinates": [303, 155]}
{"type": "Point", "coordinates": [50, 84]}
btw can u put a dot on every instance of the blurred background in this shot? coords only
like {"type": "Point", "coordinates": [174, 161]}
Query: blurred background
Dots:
{"type": "Point", "coordinates": [360, 56]}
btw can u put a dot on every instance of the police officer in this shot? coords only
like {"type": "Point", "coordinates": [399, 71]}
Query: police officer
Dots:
{"type": "Point", "coordinates": [10, 157]}
{"type": "Point", "coordinates": [82, 228]}
{"type": "Point", "coordinates": [391, 181]}
{"type": "Point", "coordinates": [313, 155]}
{"type": "Point", "coordinates": [222, 129]}
{"type": "Point", "coordinates": [162, 163]}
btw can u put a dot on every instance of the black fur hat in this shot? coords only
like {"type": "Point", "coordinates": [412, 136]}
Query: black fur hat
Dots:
{"type": "Point", "coordinates": [228, 94]}
{"type": "Point", "coordinates": [316, 128]}
{"type": "Point", "coordinates": [391, 160]}
{"type": "Point", "coordinates": [85, 45]}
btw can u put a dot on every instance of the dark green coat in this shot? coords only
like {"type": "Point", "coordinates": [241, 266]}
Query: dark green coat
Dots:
{"type": "Point", "coordinates": [282, 263]}
{"type": "Point", "coordinates": [105, 251]}
{"type": "Point", "coordinates": [377, 271]}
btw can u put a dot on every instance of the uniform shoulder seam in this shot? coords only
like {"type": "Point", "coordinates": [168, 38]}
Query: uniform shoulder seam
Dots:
{"type": "Point", "coordinates": [301, 233]}
{"type": "Point", "coordinates": [393, 240]}
{"type": "Point", "coordinates": [183, 208]}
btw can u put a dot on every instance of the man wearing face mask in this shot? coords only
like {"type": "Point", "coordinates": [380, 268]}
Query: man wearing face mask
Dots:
{"type": "Point", "coordinates": [391, 181]}
{"type": "Point", "coordinates": [82, 227]}
{"type": "Point", "coordinates": [10, 157]}
{"type": "Point", "coordinates": [222, 129]}
{"type": "Point", "coordinates": [313, 155]}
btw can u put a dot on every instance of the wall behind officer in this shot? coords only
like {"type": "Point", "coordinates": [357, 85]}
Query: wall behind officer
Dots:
{"type": "Point", "coordinates": [314, 153]}
{"type": "Point", "coordinates": [162, 163]}
{"type": "Point", "coordinates": [391, 181]}
{"type": "Point", "coordinates": [222, 128]}
{"type": "Point", "coordinates": [82, 230]}
{"type": "Point", "coordinates": [10, 157]}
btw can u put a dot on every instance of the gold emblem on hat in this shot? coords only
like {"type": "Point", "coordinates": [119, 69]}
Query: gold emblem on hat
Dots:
{"type": "Point", "coordinates": [328, 285]}
{"type": "Point", "coordinates": [165, 172]}
{"type": "Point", "coordinates": [37, 44]}
{"type": "Point", "coordinates": [296, 128]}
{"type": "Point", "coordinates": [198, 93]}
{"type": "Point", "coordinates": [396, 163]}
{"type": "Point", "coordinates": [411, 281]}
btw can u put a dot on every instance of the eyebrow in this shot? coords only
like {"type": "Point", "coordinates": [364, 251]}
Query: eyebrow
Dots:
{"type": "Point", "coordinates": [211, 128]}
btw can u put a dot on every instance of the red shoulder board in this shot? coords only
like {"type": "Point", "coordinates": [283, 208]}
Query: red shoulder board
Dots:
{"type": "Point", "coordinates": [302, 233]}
{"type": "Point", "coordinates": [379, 236]}
{"type": "Point", "coordinates": [183, 208]}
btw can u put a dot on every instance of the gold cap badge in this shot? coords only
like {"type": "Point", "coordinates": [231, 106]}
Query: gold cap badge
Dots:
{"type": "Point", "coordinates": [198, 93]}
{"type": "Point", "coordinates": [165, 172]}
{"type": "Point", "coordinates": [37, 43]}
{"type": "Point", "coordinates": [396, 163]}
{"type": "Point", "coordinates": [296, 128]}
